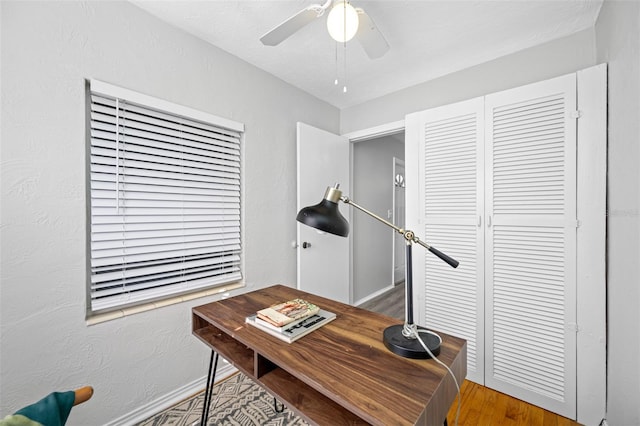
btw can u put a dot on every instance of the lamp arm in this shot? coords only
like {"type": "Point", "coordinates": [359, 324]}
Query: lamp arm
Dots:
{"type": "Point", "coordinates": [347, 200]}
{"type": "Point", "coordinates": [451, 261]}
{"type": "Point", "coordinates": [408, 235]}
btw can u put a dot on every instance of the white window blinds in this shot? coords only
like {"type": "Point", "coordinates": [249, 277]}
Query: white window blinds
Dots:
{"type": "Point", "coordinates": [165, 199]}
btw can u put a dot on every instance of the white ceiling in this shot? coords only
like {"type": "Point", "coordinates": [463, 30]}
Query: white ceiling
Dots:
{"type": "Point", "coordinates": [428, 38]}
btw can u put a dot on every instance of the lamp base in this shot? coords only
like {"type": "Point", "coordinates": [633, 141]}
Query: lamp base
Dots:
{"type": "Point", "coordinates": [395, 341]}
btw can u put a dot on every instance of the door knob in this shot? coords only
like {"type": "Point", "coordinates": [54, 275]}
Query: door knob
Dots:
{"type": "Point", "coordinates": [306, 245]}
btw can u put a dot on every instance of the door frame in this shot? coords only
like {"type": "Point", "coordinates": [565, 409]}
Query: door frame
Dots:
{"type": "Point", "coordinates": [363, 135]}
{"type": "Point", "coordinates": [591, 309]}
{"type": "Point", "coordinates": [397, 162]}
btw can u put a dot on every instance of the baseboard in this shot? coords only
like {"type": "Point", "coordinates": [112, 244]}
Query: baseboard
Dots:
{"type": "Point", "coordinates": [374, 295]}
{"type": "Point", "coordinates": [172, 398]}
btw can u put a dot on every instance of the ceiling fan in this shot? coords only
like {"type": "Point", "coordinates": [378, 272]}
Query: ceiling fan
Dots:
{"type": "Point", "coordinates": [343, 22]}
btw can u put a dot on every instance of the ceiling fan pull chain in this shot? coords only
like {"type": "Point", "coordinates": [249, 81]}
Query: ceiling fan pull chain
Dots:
{"type": "Point", "coordinates": [344, 41]}
{"type": "Point", "coordinates": [344, 88]}
{"type": "Point", "coordinates": [337, 69]}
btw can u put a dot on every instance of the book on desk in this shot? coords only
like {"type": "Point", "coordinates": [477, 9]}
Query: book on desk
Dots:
{"type": "Point", "coordinates": [284, 313]}
{"type": "Point", "coordinates": [295, 329]}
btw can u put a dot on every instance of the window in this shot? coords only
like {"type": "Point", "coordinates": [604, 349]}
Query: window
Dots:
{"type": "Point", "coordinates": [164, 199]}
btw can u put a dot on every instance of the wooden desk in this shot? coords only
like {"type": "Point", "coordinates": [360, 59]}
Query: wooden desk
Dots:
{"type": "Point", "coordinates": [339, 374]}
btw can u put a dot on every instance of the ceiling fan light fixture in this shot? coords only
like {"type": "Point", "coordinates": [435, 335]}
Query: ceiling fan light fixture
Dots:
{"type": "Point", "coordinates": [342, 22]}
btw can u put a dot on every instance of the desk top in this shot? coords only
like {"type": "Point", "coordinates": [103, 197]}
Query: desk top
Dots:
{"type": "Point", "coordinates": [346, 360]}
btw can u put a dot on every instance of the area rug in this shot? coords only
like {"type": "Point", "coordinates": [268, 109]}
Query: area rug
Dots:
{"type": "Point", "coordinates": [236, 401]}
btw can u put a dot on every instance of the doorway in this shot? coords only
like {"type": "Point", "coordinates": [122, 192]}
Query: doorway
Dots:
{"type": "Point", "coordinates": [375, 164]}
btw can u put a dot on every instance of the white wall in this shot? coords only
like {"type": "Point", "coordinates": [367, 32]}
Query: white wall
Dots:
{"type": "Point", "coordinates": [618, 44]}
{"type": "Point", "coordinates": [48, 49]}
{"type": "Point", "coordinates": [534, 64]}
{"type": "Point", "coordinates": [373, 190]}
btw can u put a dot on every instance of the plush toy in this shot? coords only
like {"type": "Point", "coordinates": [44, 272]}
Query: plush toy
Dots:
{"type": "Point", "coordinates": [52, 410]}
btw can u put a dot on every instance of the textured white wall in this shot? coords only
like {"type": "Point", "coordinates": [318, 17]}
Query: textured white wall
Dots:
{"type": "Point", "coordinates": [618, 44]}
{"type": "Point", "coordinates": [48, 49]}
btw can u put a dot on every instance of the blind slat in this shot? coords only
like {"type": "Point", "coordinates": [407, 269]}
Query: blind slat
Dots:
{"type": "Point", "coordinates": [159, 292]}
{"type": "Point", "coordinates": [198, 264]}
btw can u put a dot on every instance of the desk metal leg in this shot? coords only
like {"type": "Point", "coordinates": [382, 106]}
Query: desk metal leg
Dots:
{"type": "Point", "coordinates": [208, 392]}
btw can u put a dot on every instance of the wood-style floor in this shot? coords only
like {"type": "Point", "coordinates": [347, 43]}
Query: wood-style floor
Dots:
{"type": "Point", "coordinates": [390, 303]}
{"type": "Point", "coordinates": [480, 406]}
{"type": "Point", "coordinates": [483, 406]}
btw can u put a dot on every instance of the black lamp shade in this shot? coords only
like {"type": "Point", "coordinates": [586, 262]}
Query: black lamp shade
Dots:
{"type": "Point", "coordinates": [326, 217]}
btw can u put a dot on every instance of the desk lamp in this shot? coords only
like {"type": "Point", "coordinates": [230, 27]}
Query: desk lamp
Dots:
{"type": "Point", "coordinates": [399, 339]}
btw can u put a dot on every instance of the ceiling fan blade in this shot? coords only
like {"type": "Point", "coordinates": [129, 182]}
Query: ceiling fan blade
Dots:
{"type": "Point", "coordinates": [290, 26]}
{"type": "Point", "coordinates": [371, 39]}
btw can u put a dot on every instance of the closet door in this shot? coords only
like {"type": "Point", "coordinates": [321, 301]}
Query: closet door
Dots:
{"type": "Point", "coordinates": [531, 243]}
{"type": "Point", "coordinates": [450, 203]}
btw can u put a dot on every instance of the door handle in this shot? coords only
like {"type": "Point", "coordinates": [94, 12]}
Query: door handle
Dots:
{"type": "Point", "coordinates": [306, 245]}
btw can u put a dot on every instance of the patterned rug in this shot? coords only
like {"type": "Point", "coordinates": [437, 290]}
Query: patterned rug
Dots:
{"type": "Point", "coordinates": [236, 401]}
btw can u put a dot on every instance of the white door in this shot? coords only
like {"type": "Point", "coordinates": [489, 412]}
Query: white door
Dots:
{"type": "Point", "coordinates": [531, 243]}
{"type": "Point", "coordinates": [445, 203]}
{"type": "Point", "coordinates": [323, 259]}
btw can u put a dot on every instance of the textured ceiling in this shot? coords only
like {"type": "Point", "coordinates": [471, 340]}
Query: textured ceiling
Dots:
{"type": "Point", "coordinates": [428, 38]}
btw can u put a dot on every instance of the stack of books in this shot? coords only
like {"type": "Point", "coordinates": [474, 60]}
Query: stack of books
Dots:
{"type": "Point", "coordinates": [290, 320]}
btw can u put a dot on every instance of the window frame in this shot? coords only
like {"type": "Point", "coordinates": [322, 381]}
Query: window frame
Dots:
{"type": "Point", "coordinates": [152, 103]}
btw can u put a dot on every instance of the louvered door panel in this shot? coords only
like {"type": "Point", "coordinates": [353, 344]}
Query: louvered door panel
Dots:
{"type": "Point", "coordinates": [451, 202]}
{"type": "Point", "coordinates": [530, 256]}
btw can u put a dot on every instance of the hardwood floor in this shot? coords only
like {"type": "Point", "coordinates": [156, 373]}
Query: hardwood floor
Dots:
{"type": "Point", "coordinates": [390, 303]}
{"type": "Point", "coordinates": [480, 406]}
{"type": "Point", "coordinates": [483, 406]}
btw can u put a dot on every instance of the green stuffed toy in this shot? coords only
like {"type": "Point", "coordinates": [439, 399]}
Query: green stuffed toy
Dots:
{"type": "Point", "coordinates": [52, 410]}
